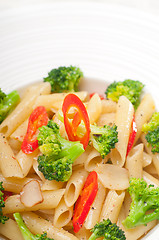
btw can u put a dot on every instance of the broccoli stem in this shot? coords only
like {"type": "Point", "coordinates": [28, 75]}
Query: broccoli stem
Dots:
{"type": "Point", "coordinates": [94, 235]}
{"type": "Point", "coordinates": [70, 149]}
{"type": "Point", "coordinates": [139, 216]}
{"type": "Point", "coordinates": [150, 217]}
{"type": "Point", "coordinates": [96, 129]}
{"type": "Point", "coordinates": [10, 101]}
{"type": "Point", "coordinates": [27, 235]}
{"type": "Point", "coordinates": [139, 219]}
{"type": "Point", "coordinates": [137, 211]}
{"type": "Point", "coordinates": [74, 152]}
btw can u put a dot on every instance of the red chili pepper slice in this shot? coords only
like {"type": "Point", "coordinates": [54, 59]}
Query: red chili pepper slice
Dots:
{"type": "Point", "coordinates": [71, 100]}
{"type": "Point", "coordinates": [85, 200]}
{"type": "Point", "coordinates": [37, 119]}
{"type": "Point", "coordinates": [132, 136]}
{"type": "Point", "coordinates": [6, 195]}
{"type": "Point", "coordinates": [100, 95]}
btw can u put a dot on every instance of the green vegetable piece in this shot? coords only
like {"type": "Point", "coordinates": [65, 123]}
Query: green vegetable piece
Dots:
{"type": "Point", "coordinates": [108, 230]}
{"type": "Point", "coordinates": [48, 141]}
{"type": "Point", "coordinates": [144, 198]}
{"type": "Point", "coordinates": [27, 235]}
{"type": "Point", "coordinates": [152, 132]}
{"type": "Point", "coordinates": [8, 103]}
{"type": "Point", "coordinates": [3, 218]}
{"type": "Point", "coordinates": [58, 153]}
{"type": "Point", "coordinates": [128, 88]}
{"type": "Point", "coordinates": [104, 138]}
{"type": "Point", "coordinates": [2, 96]}
{"type": "Point", "coordinates": [153, 123]}
{"type": "Point", "coordinates": [64, 79]}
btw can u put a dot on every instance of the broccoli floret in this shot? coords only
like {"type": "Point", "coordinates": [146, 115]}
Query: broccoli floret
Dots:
{"type": "Point", "coordinates": [27, 235]}
{"type": "Point", "coordinates": [104, 138]}
{"type": "Point", "coordinates": [59, 170]}
{"type": "Point", "coordinates": [3, 218]}
{"type": "Point", "coordinates": [153, 139]}
{"type": "Point", "coordinates": [48, 141]}
{"type": "Point", "coordinates": [7, 103]}
{"type": "Point", "coordinates": [129, 88]}
{"type": "Point", "coordinates": [108, 230]}
{"type": "Point", "coordinates": [64, 79]}
{"type": "Point", "coordinates": [58, 153]}
{"type": "Point", "coordinates": [144, 198]}
{"type": "Point", "coordinates": [2, 96]}
{"type": "Point", "coordinates": [152, 132]}
{"type": "Point", "coordinates": [153, 123]}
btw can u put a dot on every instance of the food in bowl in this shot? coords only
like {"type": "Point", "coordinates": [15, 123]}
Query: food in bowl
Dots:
{"type": "Point", "coordinates": [78, 165]}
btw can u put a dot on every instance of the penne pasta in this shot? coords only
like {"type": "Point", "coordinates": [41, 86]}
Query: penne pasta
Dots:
{"type": "Point", "coordinates": [26, 161]}
{"type": "Point", "coordinates": [112, 206]}
{"type": "Point", "coordinates": [20, 132]}
{"type": "Point", "coordinates": [134, 234]}
{"type": "Point", "coordinates": [74, 186]}
{"type": "Point", "coordinates": [15, 145]}
{"type": "Point", "coordinates": [47, 214]}
{"type": "Point", "coordinates": [92, 160]}
{"type": "Point", "coordinates": [54, 101]}
{"type": "Point", "coordinates": [127, 203]}
{"type": "Point", "coordinates": [95, 210]}
{"type": "Point", "coordinates": [108, 106]}
{"type": "Point", "coordinates": [147, 159]}
{"type": "Point", "coordinates": [24, 108]}
{"type": "Point", "coordinates": [63, 214]}
{"type": "Point", "coordinates": [123, 120]}
{"type": "Point", "coordinates": [94, 108]}
{"type": "Point", "coordinates": [14, 185]}
{"type": "Point", "coordinates": [144, 113]}
{"type": "Point", "coordinates": [83, 234]}
{"type": "Point", "coordinates": [38, 225]}
{"type": "Point", "coordinates": [51, 185]}
{"type": "Point", "coordinates": [10, 230]}
{"type": "Point", "coordinates": [106, 119]}
{"type": "Point", "coordinates": [150, 169]}
{"type": "Point", "coordinates": [150, 179]}
{"type": "Point", "coordinates": [50, 200]}
{"type": "Point", "coordinates": [134, 161]}
{"type": "Point", "coordinates": [8, 163]}
{"type": "Point", "coordinates": [109, 176]}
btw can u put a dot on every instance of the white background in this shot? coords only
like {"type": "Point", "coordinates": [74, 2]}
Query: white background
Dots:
{"type": "Point", "coordinates": [151, 6]}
